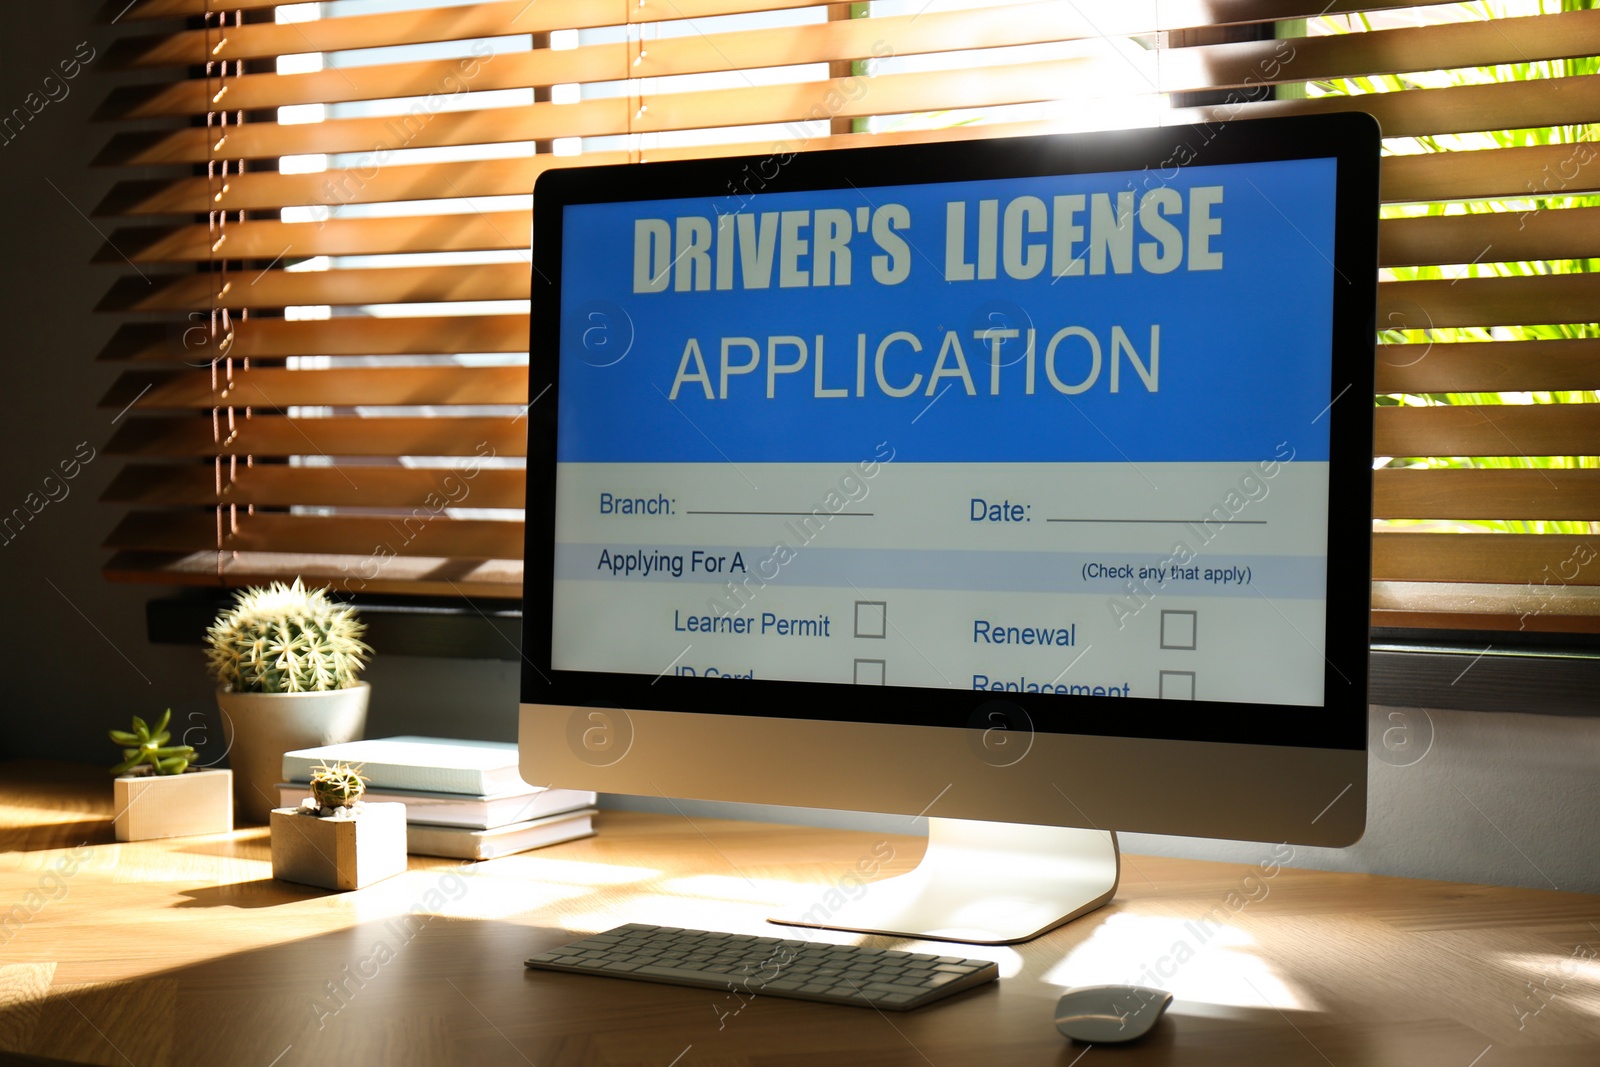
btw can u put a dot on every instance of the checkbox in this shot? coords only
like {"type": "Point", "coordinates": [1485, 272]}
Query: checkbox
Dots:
{"type": "Point", "coordinates": [869, 672]}
{"type": "Point", "coordinates": [872, 618]}
{"type": "Point", "coordinates": [1178, 629]}
{"type": "Point", "coordinates": [1177, 685]}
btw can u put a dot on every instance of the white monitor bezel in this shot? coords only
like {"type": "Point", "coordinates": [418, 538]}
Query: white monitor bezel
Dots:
{"type": "Point", "coordinates": [1258, 772]}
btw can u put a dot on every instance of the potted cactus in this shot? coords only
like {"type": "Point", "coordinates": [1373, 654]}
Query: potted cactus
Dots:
{"type": "Point", "coordinates": [334, 839]}
{"type": "Point", "coordinates": [159, 792]}
{"type": "Point", "coordinates": [286, 660]}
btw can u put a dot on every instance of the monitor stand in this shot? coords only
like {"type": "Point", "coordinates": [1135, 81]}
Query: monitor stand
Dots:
{"type": "Point", "coordinates": [984, 883]}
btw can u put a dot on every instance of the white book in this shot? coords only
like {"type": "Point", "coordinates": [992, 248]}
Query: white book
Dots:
{"type": "Point", "coordinates": [419, 764]}
{"type": "Point", "coordinates": [460, 843]}
{"type": "Point", "coordinates": [459, 809]}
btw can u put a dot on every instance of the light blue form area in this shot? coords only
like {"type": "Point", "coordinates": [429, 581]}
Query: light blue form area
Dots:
{"type": "Point", "coordinates": [975, 570]}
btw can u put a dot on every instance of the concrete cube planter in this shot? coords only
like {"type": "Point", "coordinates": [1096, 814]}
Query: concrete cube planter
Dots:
{"type": "Point", "coordinates": [339, 853]}
{"type": "Point", "coordinates": [173, 805]}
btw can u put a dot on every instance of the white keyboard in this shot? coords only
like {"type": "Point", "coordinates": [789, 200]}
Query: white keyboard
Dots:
{"type": "Point", "coordinates": [749, 965]}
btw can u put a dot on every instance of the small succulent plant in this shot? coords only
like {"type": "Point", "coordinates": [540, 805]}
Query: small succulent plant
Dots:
{"type": "Point", "coordinates": [145, 747]}
{"type": "Point", "coordinates": [339, 786]}
{"type": "Point", "coordinates": [286, 639]}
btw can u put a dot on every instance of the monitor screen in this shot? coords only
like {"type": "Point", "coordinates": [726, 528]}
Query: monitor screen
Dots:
{"type": "Point", "coordinates": [1062, 433]}
{"type": "Point", "coordinates": [1111, 478]}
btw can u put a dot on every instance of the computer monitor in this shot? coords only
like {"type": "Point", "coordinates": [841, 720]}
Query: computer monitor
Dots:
{"type": "Point", "coordinates": [1021, 483]}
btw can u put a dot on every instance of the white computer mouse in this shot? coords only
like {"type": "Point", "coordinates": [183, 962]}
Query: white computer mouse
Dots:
{"type": "Point", "coordinates": [1105, 1014]}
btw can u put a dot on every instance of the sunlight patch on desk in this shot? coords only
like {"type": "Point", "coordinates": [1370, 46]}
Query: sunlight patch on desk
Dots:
{"type": "Point", "coordinates": [457, 894]}
{"type": "Point", "coordinates": [506, 899]}
{"type": "Point", "coordinates": [40, 861]}
{"type": "Point", "coordinates": [769, 892]}
{"type": "Point", "coordinates": [17, 820]}
{"type": "Point", "coordinates": [141, 863]}
{"type": "Point", "coordinates": [1573, 967]}
{"type": "Point", "coordinates": [16, 814]}
{"type": "Point", "coordinates": [1195, 961]}
{"type": "Point", "coordinates": [570, 872]}
{"type": "Point", "coordinates": [1570, 980]}
{"type": "Point", "coordinates": [22, 986]}
{"type": "Point", "coordinates": [662, 909]}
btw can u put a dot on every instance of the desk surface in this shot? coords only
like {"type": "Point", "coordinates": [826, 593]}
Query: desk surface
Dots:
{"type": "Point", "coordinates": [187, 952]}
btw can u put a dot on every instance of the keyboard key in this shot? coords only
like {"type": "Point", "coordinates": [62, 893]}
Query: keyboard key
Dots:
{"type": "Point", "coordinates": [890, 987]}
{"type": "Point", "coordinates": [714, 978]}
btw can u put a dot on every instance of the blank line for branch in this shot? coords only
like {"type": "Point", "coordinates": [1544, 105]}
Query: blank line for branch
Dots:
{"type": "Point", "coordinates": [1176, 522]}
{"type": "Point", "coordinates": [798, 514]}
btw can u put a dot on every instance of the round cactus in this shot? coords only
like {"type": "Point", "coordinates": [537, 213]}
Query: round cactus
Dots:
{"type": "Point", "coordinates": [286, 639]}
{"type": "Point", "coordinates": [339, 786]}
{"type": "Point", "coordinates": [146, 746]}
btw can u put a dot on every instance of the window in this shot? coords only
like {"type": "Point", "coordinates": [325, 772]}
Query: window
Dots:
{"type": "Point", "coordinates": [325, 209]}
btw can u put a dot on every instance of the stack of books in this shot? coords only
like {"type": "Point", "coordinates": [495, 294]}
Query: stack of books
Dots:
{"type": "Point", "coordinates": [464, 799]}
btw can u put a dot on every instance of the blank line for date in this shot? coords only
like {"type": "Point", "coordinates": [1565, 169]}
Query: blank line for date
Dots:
{"type": "Point", "coordinates": [1176, 522]}
{"type": "Point", "coordinates": [836, 514]}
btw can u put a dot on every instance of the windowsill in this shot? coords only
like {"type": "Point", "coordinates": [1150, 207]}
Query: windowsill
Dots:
{"type": "Point", "coordinates": [486, 629]}
{"type": "Point", "coordinates": [1539, 674]}
{"type": "Point", "coordinates": [1485, 672]}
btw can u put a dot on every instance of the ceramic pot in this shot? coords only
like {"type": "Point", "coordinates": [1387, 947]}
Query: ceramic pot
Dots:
{"type": "Point", "coordinates": [334, 853]}
{"type": "Point", "coordinates": [261, 727]}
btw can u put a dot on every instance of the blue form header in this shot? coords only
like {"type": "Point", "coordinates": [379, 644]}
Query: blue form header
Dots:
{"type": "Point", "coordinates": [1071, 318]}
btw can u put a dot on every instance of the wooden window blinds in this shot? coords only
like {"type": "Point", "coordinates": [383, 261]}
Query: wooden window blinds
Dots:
{"type": "Point", "coordinates": [324, 211]}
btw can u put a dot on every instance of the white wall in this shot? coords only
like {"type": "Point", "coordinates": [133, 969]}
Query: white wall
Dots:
{"type": "Point", "coordinates": [1506, 799]}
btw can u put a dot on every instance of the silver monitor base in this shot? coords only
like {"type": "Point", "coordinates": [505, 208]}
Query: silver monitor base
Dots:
{"type": "Point", "coordinates": [984, 883]}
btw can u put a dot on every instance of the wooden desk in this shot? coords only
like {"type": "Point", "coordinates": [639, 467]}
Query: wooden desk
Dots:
{"type": "Point", "coordinates": [187, 952]}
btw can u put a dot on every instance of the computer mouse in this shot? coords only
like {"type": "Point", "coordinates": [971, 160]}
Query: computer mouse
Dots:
{"type": "Point", "coordinates": [1106, 1014]}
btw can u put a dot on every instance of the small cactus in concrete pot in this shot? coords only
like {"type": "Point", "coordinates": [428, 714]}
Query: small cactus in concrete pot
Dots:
{"type": "Point", "coordinates": [346, 843]}
{"type": "Point", "coordinates": [336, 787]}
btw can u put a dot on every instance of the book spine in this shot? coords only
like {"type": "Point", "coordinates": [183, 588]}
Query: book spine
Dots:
{"type": "Point", "coordinates": [391, 777]}
{"type": "Point", "coordinates": [464, 812]}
